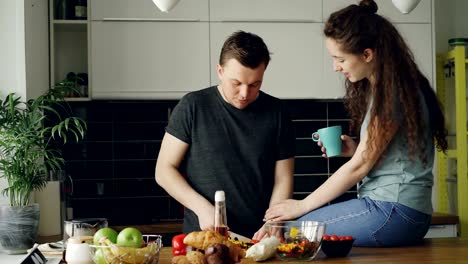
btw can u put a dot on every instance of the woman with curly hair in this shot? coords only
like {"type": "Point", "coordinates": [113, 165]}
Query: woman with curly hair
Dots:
{"type": "Point", "coordinates": [400, 122]}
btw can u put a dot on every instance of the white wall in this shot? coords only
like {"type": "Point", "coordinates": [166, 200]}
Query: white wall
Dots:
{"type": "Point", "coordinates": [12, 64]}
{"type": "Point", "coordinates": [451, 21]}
{"type": "Point", "coordinates": [461, 18]}
{"type": "Point", "coordinates": [24, 48]}
{"type": "Point", "coordinates": [24, 63]}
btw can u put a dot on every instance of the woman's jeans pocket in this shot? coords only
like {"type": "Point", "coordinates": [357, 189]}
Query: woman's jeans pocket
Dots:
{"type": "Point", "coordinates": [404, 226]}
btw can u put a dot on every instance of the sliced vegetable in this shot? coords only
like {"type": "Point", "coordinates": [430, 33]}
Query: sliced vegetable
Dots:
{"type": "Point", "coordinates": [178, 246]}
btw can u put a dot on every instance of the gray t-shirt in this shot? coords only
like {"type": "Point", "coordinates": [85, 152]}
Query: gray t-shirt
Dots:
{"type": "Point", "coordinates": [397, 178]}
{"type": "Point", "coordinates": [232, 150]}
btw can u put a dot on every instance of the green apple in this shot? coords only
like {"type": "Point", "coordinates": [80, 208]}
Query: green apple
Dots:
{"type": "Point", "coordinates": [130, 237]}
{"type": "Point", "coordinates": [108, 232]}
{"type": "Point", "coordinates": [99, 257]}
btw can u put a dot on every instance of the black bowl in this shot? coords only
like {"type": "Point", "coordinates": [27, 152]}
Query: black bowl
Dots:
{"type": "Point", "coordinates": [339, 248]}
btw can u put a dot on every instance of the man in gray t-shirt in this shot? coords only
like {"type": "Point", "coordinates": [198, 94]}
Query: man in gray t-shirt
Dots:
{"type": "Point", "coordinates": [230, 137]}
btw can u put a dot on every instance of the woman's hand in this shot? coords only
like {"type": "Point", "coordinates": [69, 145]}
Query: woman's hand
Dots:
{"type": "Point", "coordinates": [348, 147]}
{"type": "Point", "coordinates": [285, 210]}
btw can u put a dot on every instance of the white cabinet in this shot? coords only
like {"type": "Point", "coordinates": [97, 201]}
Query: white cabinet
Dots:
{"type": "Point", "coordinates": [266, 10]}
{"type": "Point", "coordinates": [292, 32]}
{"type": "Point", "coordinates": [139, 52]}
{"type": "Point", "coordinates": [149, 60]}
{"type": "Point", "coordinates": [146, 9]}
{"type": "Point", "coordinates": [69, 51]}
{"type": "Point", "coordinates": [295, 68]}
{"type": "Point", "coordinates": [419, 39]}
{"type": "Point", "coordinates": [421, 14]}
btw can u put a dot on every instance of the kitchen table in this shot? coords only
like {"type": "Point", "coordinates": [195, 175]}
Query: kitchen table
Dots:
{"type": "Point", "coordinates": [434, 250]}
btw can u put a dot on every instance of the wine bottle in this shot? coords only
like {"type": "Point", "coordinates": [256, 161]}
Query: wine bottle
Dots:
{"type": "Point", "coordinates": [63, 10]}
{"type": "Point", "coordinates": [220, 221]}
{"type": "Point", "coordinates": [80, 9]}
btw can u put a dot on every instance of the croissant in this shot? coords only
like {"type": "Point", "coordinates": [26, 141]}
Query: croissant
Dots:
{"type": "Point", "coordinates": [204, 239]}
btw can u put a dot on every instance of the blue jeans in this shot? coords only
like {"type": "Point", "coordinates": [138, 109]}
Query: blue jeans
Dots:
{"type": "Point", "coordinates": [373, 223]}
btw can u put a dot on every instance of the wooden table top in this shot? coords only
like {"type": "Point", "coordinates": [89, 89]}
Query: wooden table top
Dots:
{"type": "Point", "coordinates": [435, 250]}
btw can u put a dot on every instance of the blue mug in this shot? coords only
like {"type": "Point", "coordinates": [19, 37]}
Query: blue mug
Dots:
{"type": "Point", "coordinates": [331, 139]}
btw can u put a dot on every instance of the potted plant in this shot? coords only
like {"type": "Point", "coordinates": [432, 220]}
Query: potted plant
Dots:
{"type": "Point", "coordinates": [29, 132]}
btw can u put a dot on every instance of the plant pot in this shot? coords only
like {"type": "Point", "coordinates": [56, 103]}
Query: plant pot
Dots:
{"type": "Point", "coordinates": [18, 228]}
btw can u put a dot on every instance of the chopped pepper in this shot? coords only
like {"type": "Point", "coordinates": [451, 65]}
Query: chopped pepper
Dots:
{"type": "Point", "coordinates": [178, 246]}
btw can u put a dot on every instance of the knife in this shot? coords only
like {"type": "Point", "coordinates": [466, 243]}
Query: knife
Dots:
{"type": "Point", "coordinates": [241, 238]}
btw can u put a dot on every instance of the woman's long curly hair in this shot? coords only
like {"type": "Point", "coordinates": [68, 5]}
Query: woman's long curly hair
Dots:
{"type": "Point", "coordinates": [399, 83]}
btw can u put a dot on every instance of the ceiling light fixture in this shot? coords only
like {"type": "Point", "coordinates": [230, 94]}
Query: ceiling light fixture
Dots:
{"type": "Point", "coordinates": [165, 5]}
{"type": "Point", "coordinates": [405, 6]}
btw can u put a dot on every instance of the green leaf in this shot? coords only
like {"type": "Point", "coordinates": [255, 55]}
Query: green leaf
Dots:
{"type": "Point", "coordinates": [26, 133]}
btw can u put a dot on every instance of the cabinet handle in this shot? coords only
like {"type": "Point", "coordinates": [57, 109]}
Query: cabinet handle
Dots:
{"type": "Point", "coordinates": [256, 20]}
{"type": "Point", "coordinates": [151, 19]}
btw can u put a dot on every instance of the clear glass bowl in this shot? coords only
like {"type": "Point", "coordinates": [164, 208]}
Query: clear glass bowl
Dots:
{"type": "Point", "coordinates": [115, 254]}
{"type": "Point", "coordinates": [300, 240]}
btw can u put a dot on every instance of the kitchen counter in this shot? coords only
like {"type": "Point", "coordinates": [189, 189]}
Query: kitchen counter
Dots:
{"type": "Point", "coordinates": [434, 250]}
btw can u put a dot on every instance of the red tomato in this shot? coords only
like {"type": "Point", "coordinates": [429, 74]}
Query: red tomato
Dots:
{"type": "Point", "coordinates": [326, 237]}
{"type": "Point", "coordinates": [348, 238]}
{"type": "Point", "coordinates": [342, 238]}
{"type": "Point", "coordinates": [334, 238]}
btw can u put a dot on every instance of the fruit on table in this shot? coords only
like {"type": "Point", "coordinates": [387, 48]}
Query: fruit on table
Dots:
{"type": "Point", "coordinates": [130, 237]}
{"type": "Point", "coordinates": [178, 246]}
{"type": "Point", "coordinates": [128, 254]}
{"type": "Point", "coordinates": [337, 246]}
{"type": "Point", "coordinates": [99, 257]}
{"type": "Point", "coordinates": [336, 238]}
{"type": "Point", "coordinates": [108, 232]}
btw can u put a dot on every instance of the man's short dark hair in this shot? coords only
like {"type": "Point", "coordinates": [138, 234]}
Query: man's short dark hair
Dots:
{"type": "Point", "coordinates": [245, 47]}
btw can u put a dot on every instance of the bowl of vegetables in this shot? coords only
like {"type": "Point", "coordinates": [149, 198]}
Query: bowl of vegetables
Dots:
{"type": "Point", "coordinates": [299, 240]}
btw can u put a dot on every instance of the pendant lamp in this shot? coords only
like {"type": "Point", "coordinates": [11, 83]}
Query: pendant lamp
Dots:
{"type": "Point", "coordinates": [165, 5]}
{"type": "Point", "coordinates": [405, 6]}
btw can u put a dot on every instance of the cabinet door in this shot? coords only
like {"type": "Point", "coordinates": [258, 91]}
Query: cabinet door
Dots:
{"type": "Point", "coordinates": [266, 10]}
{"type": "Point", "coordinates": [419, 39]}
{"type": "Point", "coordinates": [421, 14]}
{"type": "Point", "coordinates": [295, 70]}
{"type": "Point", "coordinates": [142, 60]}
{"type": "Point", "coordinates": [141, 9]}
{"type": "Point", "coordinates": [417, 36]}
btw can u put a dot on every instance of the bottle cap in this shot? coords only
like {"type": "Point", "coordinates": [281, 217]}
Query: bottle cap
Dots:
{"type": "Point", "coordinates": [219, 196]}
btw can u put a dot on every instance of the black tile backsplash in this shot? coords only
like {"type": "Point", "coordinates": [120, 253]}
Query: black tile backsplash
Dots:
{"type": "Point", "coordinates": [113, 168]}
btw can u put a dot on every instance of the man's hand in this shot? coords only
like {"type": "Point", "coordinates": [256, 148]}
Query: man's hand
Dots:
{"type": "Point", "coordinates": [206, 218]}
{"type": "Point", "coordinates": [260, 234]}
